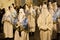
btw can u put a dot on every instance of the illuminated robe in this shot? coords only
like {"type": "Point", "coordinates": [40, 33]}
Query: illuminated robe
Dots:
{"type": "Point", "coordinates": [31, 20]}
{"type": "Point", "coordinates": [8, 27]}
{"type": "Point", "coordinates": [45, 24]}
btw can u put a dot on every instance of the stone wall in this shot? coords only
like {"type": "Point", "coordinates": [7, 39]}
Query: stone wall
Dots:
{"type": "Point", "coordinates": [29, 2]}
{"type": "Point", "coordinates": [5, 3]}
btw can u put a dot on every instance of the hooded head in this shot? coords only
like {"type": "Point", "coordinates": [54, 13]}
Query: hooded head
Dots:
{"type": "Point", "coordinates": [21, 15]}
{"type": "Point", "coordinates": [7, 12]}
{"type": "Point", "coordinates": [31, 8]}
{"type": "Point", "coordinates": [12, 10]}
{"type": "Point", "coordinates": [44, 6]}
{"type": "Point", "coordinates": [7, 9]}
{"type": "Point", "coordinates": [50, 5]}
{"type": "Point", "coordinates": [21, 10]}
{"type": "Point", "coordinates": [55, 6]}
{"type": "Point", "coordinates": [26, 7]}
{"type": "Point", "coordinates": [44, 9]}
{"type": "Point", "coordinates": [12, 7]}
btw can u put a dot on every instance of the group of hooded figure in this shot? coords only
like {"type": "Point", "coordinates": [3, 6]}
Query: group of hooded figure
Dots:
{"type": "Point", "coordinates": [25, 21]}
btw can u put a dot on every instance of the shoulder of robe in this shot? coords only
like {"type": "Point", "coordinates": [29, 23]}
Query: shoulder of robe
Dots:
{"type": "Point", "coordinates": [50, 17]}
{"type": "Point", "coordinates": [40, 17]}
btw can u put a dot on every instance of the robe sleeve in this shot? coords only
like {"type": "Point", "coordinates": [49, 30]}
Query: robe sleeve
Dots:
{"type": "Point", "coordinates": [39, 22]}
{"type": "Point", "coordinates": [3, 18]}
{"type": "Point", "coordinates": [50, 22]}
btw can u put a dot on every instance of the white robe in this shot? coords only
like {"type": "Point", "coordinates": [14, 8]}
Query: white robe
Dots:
{"type": "Point", "coordinates": [17, 37]}
{"type": "Point", "coordinates": [8, 27]}
{"type": "Point", "coordinates": [23, 36]}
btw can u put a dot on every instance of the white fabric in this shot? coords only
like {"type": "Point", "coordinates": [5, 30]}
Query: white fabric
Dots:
{"type": "Point", "coordinates": [8, 27]}
{"type": "Point", "coordinates": [7, 16]}
{"type": "Point", "coordinates": [21, 15]}
{"type": "Point", "coordinates": [17, 37]}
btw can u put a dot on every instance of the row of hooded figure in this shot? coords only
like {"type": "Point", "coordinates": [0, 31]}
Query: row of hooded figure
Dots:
{"type": "Point", "coordinates": [25, 21]}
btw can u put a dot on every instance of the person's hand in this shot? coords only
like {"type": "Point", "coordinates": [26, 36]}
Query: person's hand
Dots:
{"type": "Point", "coordinates": [43, 28]}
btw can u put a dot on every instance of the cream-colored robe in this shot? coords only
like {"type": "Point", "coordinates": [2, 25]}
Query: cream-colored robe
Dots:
{"type": "Point", "coordinates": [31, 20]}
{"type": "Point", "coordinates": [17, 37]}
{"type": "Point", "coordinates": [54, 25]}
{"type": "Point", "coordinates": [8, 27]}
{"type": "Point", "coordinates": [45, 24]}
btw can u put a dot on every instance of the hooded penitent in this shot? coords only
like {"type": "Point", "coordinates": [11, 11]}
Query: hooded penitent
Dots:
{"type": "Point", "coordinates": [31, 19]}
{"type": "Point", "coordinates": [8, 27]}
{"type": "Point", "coordinates": [45, 23]}
{"type": "Point", "coordinates": [51, 8]}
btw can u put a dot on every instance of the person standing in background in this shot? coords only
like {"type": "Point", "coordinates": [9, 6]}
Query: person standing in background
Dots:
{"type": "Point", "coordinates": [56, 18]}
{"type": "Point", "coordinates": [31, 21]}
{"type": "Point", "coordinates": [51, 8]}
{"type": "Point", "coordinates": [54, 6]}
